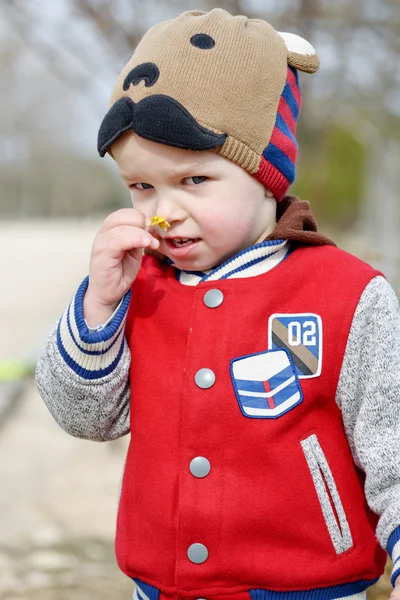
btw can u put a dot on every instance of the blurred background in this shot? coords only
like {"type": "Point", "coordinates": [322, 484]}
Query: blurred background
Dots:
{"type": "Point", "coordinates": [59, 60]}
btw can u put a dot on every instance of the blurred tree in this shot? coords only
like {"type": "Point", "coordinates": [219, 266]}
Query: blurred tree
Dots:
{"type": "Point", "coordinates": [331, 173]}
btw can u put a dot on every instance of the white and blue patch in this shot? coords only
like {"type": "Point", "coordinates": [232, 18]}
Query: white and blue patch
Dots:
{"type": "Point", "coordinates": [301, 335]}
{"type": "Point", "coordinates": [266, 384]}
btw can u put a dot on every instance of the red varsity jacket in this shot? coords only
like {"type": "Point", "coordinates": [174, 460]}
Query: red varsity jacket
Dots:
{"type": "Point", "coordinates": [239, 474]}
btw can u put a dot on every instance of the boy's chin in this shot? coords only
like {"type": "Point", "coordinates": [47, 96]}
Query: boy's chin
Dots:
{"type": "Point", "coordinates": [156, 254]}
{"type": "Point", "coordinates": [165, 259]}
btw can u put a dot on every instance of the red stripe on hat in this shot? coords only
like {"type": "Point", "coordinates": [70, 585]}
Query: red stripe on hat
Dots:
{"type": "Point", "coordinates": [291, 79]}
{"type": "Point", "coordinates": [284, 143]}
{"type": "Point", "coordinates": [287, 115]}
{"type": "Point", "coordinates": [272, 179]}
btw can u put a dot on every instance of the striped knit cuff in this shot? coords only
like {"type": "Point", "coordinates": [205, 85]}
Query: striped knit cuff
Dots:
{"type": "Point", "coordinates": [145, 591]}
{"type": "Point", "coordinates": [91, 354]}
{"type": "Point", "coordinates": [393, 549]}
{"type": "Point", "coordinates": [108, 322]}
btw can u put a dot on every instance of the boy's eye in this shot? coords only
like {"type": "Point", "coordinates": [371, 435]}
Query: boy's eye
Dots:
{"type": "Point", "coordinates": [141, 186]}
{"type": "Point", "coordinates": [196, 179]}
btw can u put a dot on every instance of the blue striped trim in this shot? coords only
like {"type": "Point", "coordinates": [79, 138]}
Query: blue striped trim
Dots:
{"type": "Point", "coordinates": [151, 592]}
{"type": "Point", "coordinates": [79, 370]}
{"type": "Point", "coordinates": [251, 263]}
{"type": "Point", "coordinates": [278, 159]}
{"type": "Point", "coordinates": [83, 350]}
{"type": "Point", "coordinates": [199, 274]}
{"type": "Point", "coordinates": [395, 572]}
{"type": "Point", "coordinates": [285, 129]}
{"type": "Point", "coordinates": [270, 243]}
{"type": "Point", "coordinates": [204, 276]}
{"type": "Point", "coordinates": [93, 337]}
{"type": "Point", "coordinates": [328, 593]}
{"type": "Point", "coordinates": [393, 539]}
{"type": "Point", "coordinates": [287, 94]}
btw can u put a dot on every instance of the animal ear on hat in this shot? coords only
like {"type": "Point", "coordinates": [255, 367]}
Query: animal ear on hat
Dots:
{"type": "Point", "coordinates": [301, 54]}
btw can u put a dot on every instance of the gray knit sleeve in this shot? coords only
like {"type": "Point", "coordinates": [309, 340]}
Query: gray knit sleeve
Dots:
{"type": "Point", "coordinates": [83, 375]}
{"type": "Point", "coordinates": [90, 409]}
{"type": "Point", "coordinates": [368, 396]}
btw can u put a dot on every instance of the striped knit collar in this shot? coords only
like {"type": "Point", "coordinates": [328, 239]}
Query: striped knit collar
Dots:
{"type": "Point", "coordinates": [252, 261]}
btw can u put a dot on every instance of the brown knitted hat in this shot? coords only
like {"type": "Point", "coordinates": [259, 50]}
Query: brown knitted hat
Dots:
{"type": "Point", "coordinates": [206, 81]}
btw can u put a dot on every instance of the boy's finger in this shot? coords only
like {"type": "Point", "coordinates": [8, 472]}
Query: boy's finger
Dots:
{"type": "Point", "coordinates": [395, 595]}
{"type": "Point", "coordinates": [125, 216]}
{"type": "Point", "coordinates": [125, 238]}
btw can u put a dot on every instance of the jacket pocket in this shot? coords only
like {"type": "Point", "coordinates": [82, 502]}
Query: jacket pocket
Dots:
{"type": "Point", "coordinates": [266, 384]}
{"type": "Point", "coordinates": [328, 495]}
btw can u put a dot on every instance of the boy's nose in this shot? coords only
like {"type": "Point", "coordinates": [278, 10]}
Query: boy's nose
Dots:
{"type": "Point", "coordinates": [170, 210]}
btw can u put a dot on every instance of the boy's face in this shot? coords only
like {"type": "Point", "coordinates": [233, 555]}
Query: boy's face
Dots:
{"type": "Point", "coordinates": [214, 207]}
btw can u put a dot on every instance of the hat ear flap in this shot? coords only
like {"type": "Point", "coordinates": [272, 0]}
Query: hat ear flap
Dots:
{"type": "Point", "coordinates": [301, 54]}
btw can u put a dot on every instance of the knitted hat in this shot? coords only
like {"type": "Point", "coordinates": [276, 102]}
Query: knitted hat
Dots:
{"type": "Point", "coordinates": [208, 80]}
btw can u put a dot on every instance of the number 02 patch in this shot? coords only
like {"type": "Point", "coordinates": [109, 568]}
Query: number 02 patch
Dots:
{"type": "Point", "coordinates": [301, 335]}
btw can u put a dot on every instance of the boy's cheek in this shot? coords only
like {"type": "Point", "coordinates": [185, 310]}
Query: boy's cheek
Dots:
{"type": "Point", "coordinates": [145, 207]}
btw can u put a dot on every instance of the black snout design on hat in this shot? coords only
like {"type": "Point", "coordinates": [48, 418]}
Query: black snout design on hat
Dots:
{"type": "Point", "coordinates": [147, 72]}
{"type": "Point", "coordinates": [157, 118]}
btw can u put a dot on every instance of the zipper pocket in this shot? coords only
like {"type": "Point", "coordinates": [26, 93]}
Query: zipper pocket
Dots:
{"type": "Point", "coordinates": [328, 495]}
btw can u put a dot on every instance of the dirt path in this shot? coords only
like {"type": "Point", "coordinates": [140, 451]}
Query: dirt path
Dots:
{"type": "Point", "coordinates": [58, 505]}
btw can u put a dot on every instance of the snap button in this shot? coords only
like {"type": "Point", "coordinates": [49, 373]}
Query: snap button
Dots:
{"type": "Point", "coordinates": [204, 378]}
{"type": "Point", "coordinates": [197, 553]}
{"type": "Point", "coordinates": [213, 298]}
{"type": "Point", "coordinates": [200, 467]}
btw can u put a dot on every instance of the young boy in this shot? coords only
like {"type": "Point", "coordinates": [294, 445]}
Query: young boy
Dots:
{"type": "Point", "coordinates": [255, 365]}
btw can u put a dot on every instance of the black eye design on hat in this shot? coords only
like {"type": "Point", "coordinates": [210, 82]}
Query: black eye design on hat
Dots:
{"type": "Point", "coordinates": [147, 72]}
{"type": "Point", "coordinates": [202, 41]}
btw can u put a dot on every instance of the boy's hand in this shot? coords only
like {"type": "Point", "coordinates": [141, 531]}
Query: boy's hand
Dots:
{"type": "Point", "coordinates": [115, 261]}
{"type": "Point", "coordinates": [395, 595]}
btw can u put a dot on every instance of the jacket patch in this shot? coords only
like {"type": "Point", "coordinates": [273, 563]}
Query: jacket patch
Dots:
{"type": "Point", "coordinates": [301, 335]}
{"type": "Point", "coordinates": [266, 384]}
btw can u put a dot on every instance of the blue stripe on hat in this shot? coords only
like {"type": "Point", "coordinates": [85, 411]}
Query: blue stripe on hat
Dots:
{"type": "Point", "coordinates": [278, 159]}
{"type": "Point", "coordinates": [287, 94]}
{"type": "Point", "coordinates": [284, 128]}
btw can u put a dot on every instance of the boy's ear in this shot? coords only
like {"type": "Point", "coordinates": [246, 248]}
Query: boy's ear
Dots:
{"type": "Point", "coordinates": [301, 54]}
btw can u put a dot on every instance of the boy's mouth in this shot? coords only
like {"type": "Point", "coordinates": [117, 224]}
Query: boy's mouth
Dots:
{"type": "Point", "coordinates": [180, 242]}
{"type": "Point", "coordinates": [181, 247]}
